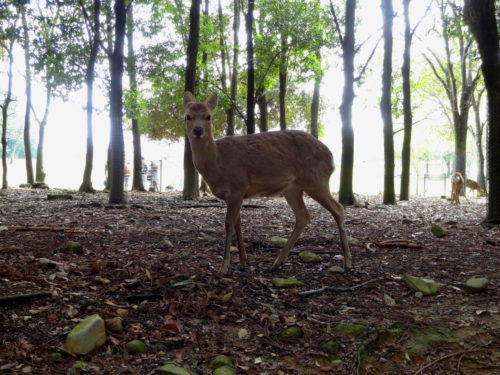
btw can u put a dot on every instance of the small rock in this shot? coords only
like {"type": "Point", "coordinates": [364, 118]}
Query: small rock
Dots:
{"type": "Point", "coordinates": [285, 283]}
{"type": "Point", "coordinates": [2, 228]}
{"type": "Point", "coordinates": [276, 241]}
{"type": "Point", "coordinates": [389, 301]}
{"type": "Point", "coordinates": [172, 369]}
{"type": "Point", "coordinates": [221, 360]}
{"type": "Point", "coordinates": [86, 335]}
{"type": "Point", "coordinates": [114, 324]}
{"type": "Point", "coordinates": [477, 284]}
{"type": "Point", "coordinates": [330, 347]}
{"type": "Point", "coordinates": [122, 312]}
{"type": "Point", "coordinates": [438, 231]}
{"type": "Point", "coordinates": [309, 257]}
{"type": "Point", "coordinates": [48, 261]}
{"type": "Point", "coordinates": [243, 333]}
{"type": "Point", "coordinates": [74, 247]}
{"type": "Point", "coordinates": [165, 243]}
{"type": "Point", "coordinates": [233, 249]}
{"type": "Point", "coordinates": [419, 284]}
{"type": "Point", "coordinates": [225, 370]}
{"type": "Point", "coordinates": [136, 347]}
{"type": "Point", "coordinates": [292, 333]}
{"type": "Point", "coordinates": [419, 294]}
{"type": "Point", "coordinates": [350, 328]}
{"type": "Point", "coordinates": [337, 269]}
{"type": "Point", "coordinates": [352, 241]}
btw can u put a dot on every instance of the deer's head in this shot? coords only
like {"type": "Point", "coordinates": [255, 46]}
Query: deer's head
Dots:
{"type": "Point", "coordinates": [199, 116]}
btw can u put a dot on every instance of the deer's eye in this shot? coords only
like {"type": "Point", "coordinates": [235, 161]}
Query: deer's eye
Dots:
{"type": "Point", "coordinates": [208, 117]}
{"type": "Point", "coordinates": [188, 117]}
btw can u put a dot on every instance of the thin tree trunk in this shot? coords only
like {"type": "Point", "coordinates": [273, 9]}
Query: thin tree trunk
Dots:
{"type": "Point", "coordinates": [479, 133]}
{"type": "Point", "coordinates": [250, 69]}
{"type": "Point", "coordinates": [283, 82]}
{"type": "Point", "coordinates": [315, 100]}
{"type": "Point", "coordinates": [346, 195]}
{"type": "Point", "coordinates": [385, 104]}
{"type": "Point", "coordinates": [137, 181]}
{"type": "Point", "coordinates": [404, 194]}
{"type": "Point", "coordinates": [117, 160]}
{"type": "Point", "coordinates": [234, 75]}
{"type": "Point", "coordinates": [480, 15]}
{"type": "Point", "coordinates": [27, 117]}
{"type": "Point", "coordinates": [5, 114]}
{"type": "Point", "coordinates": [191, 184]}
{"type": "Point", "coordinates": [39, 171]}
{"type": "Point", "coordinates": [262, 103]}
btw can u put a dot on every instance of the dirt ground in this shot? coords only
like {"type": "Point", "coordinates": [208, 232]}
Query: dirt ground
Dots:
{"type": "Point", "coordinates": [154, 261]}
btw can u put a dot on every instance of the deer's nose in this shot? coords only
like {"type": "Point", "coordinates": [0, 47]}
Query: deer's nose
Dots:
{"type": "Point", "coordinates": [197, 131]}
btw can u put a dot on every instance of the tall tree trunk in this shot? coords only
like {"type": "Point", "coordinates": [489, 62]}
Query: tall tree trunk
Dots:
{"type": "Point", "coordinates": [234, 76]}
{"type": "Point", "coordinates": [137, 181]}
{"type": "Point", "coordinates": [480, 15]}
{"type": "Point", "coordinates": [27, 117]}
{"type": "Point", "coordinates": [479, 133]}
{"type": "Point", "coordinates": [5, 113]}
{"type": "Point", "coordinates": [191, 184]}
{"type": "Point", "coordinates": [385, 104]}
{"type": "Point", "coordinates": [404, 194]}
{"type": "Point", "coordinates": [117, 147]}
{"type": "Point", "coordinates": [262, 103]}
{"type": "Point", "coordinates": [346, 195]}
{"type": "Point", "coordinates": [39, 171]}
{"type": "Point", "coordinates": [283, 81]}
{"type": "Point", "coordinates": [315, 100]}
{"type": "Point", "coordinates": [250, 69]}
{"type": "Point", "coordinates": [86, 186]}
{"type": "Point", "coordinates": [223, 77]}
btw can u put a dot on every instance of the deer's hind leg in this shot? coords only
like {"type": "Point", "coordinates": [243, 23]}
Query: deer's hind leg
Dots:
{"type": "Point", "coordinates": [295, 200]}
{"type": "Point", "coordinates": [322, 195]}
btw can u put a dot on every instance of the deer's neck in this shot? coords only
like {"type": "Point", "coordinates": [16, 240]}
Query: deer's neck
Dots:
{"type": "Point", "coordinates": [205, 157]}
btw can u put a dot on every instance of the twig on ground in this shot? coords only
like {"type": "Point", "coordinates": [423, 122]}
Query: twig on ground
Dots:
{"type": "Point", "coordinates": [336, 289]}
{"type": "Point", "coordinates": [43, 293]}
{"type": "Point", "coordinates": [462, 352]}
{"type": "Point", "coordinates": [43, 229]}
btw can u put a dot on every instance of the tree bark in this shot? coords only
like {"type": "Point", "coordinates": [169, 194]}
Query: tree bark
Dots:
{"type": "Point", "coordinates": [404, 194]}
{"type": "Point", "coordinates": [315, 100]}
{"type": "Point", "coordinates": [385, 104]}
{"type": "Point", "coordinates": [478, 134]}
{"type": "Point", "coordinates": [234, 76]}
{"type": "Point", "coordinates": [27, 117]}
{"type": "Point", "coordinates": [346, 195]}
{"type": "Point", "coordinates": [137, 181]}
{"type": "Point", "coordinates": [39, 171]}
{"type": "Point", "coordinates": [86, 186]}
{"type": "Point", "coordinates": [480, 15]}
{"type": "Point", "coordinates": [5, 113]}
{"type": "Point", "coordinates": [117, 148]}
{"type": "Point", "coordinates": [249, 19]}
{"type": "Point", "coordinates": [262, 103]}
{"type": "Point", "coordinates": [283, 81]}
{"type": "Point", "coordinates": [191, 184]}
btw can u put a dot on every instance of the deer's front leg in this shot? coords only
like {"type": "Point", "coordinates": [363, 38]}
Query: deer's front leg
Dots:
{"type": "Point", "coordinates": [241, 246]}
{"type": "Point", "coordinates": [232, 214]}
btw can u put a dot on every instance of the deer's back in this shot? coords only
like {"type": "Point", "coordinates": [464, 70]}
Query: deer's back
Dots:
{"type": "Point", "coordinates": [269, 162]}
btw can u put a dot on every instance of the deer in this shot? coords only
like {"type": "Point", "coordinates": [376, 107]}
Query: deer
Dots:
{"type": "Point", "coordinates": [286, 162]}
{"type": "Point", "coordinates": [457, 186]}
{"type": "Point", "coordinates": [473, 185]}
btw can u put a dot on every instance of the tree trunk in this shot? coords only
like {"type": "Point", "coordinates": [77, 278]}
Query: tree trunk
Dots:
{"type": "Point", "coordinates": [86, 186]}
{"type": "Point", "coordinates": [39, 172]}
{"type": "Point", "coordinates": [480, 15]}
{"type": "Point", "coordinates": [346, 195]}
{"type": "Point", "coordinates": [117, 160]}
{"type": "Point", "coordinates": [283, 81]}
{"type": "Point", "coordinates": [315, 101]}
{"type": "Point", "coordinates": [191, 184]}
{"type": "Point", "coordinates": [479, 133]}
{"type": "Point", "coordinates": [262, 103]}
{"type": "Point", "coordinates": [27, 118]}
{"type": "Point", "coordinates": [137, 181]}
{"type": "Point", "coordinates": [234, 76]}
{"type": "Point", "coordinates": [5, 114]}
{"type": "Point", "coordinates": [250, 69]}
{"type": "Point", "coordinates": [404, 194]}
{"type": "Point", "coordinates": [385, 104]}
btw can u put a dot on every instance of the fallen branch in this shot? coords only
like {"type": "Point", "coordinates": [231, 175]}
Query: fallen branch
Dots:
{"type": "Point", "coordinates": [462, 352]}
{"type": "Point", "coordinates": [14, 297]}
{"type": "Point", "coordinates": [43, 229]}
{"type": "Point", "coordinates": [399, 243]}
{"type": "Point", "coordinates": [336, 289]}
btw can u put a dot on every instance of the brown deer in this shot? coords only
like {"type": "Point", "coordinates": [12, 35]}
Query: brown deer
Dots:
{"type": "Point", "coordinates": [288, 162]}
{"type": "Point", "coordinates": [457, 185]}
{"type": "Point", "coordinates": [473, 185]}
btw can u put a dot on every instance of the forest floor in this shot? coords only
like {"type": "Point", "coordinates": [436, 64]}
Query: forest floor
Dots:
{"type": "Point", "coordinates": [154, 262]}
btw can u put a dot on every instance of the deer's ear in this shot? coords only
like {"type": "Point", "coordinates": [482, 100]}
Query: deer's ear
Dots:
{"type": "Point", "coordinates": [211, 101]}
{"type": "Point", "coordinates": [188, 99]}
